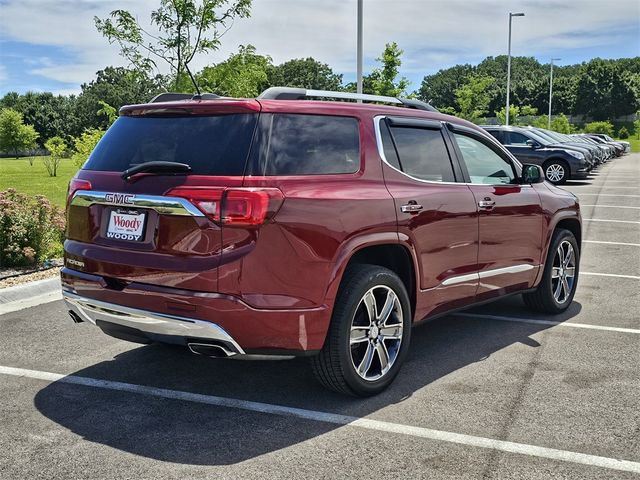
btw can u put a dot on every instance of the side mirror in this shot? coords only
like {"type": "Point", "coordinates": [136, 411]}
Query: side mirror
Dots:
{"type": "Point", "coordinates": [532, 174]}
{"type": "Point", "coordinates": [532, 144]}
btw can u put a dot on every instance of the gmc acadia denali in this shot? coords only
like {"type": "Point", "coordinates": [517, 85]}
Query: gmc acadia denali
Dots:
{"type": "Point", "coordinates": [293, 225]}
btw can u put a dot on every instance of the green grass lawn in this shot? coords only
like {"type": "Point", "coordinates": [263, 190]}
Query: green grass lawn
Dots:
{"type": "Point", "coordinates": [635, 143]}
{"type": "Point", "coordinates": [35, 180]}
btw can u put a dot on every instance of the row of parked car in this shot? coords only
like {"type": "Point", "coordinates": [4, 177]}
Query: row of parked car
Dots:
{"type": "Point", "coordinates": [562, 157]}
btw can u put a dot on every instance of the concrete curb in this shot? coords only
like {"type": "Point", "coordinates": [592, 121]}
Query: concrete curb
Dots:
{"type": "Point", "coordinates": [29, 290]}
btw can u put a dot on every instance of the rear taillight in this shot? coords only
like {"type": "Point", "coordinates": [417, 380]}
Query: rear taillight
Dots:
{"type": "Point", "coordinates": [233, 206]}
{"type": "Point", "coordinates": [76, 184]}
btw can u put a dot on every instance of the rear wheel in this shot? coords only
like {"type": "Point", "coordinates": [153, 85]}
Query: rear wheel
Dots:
{"type": "Point", "coordinates": [556, 171]}
{"type": "Point", "coordinates": [369, 333]}
{"type": "Point", "coordinates": [560, 277]}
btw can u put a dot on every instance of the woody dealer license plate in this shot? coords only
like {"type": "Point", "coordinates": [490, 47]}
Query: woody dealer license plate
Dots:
{"type": "Point", "coordinates": [126, 226]}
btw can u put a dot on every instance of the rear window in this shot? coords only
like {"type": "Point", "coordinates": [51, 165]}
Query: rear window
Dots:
{"type": "Point", "coordinates": [297, 144]}
{"type": "Point", "coordinates": [211, 145]}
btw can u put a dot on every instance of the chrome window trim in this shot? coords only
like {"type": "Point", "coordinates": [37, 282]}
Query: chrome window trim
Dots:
{"type": "Point", "coordinates": [376, 125]}
{"type": "Point", "coordinates": [488, 273]}
{"type": "Point", "coordinates": [161, 204]}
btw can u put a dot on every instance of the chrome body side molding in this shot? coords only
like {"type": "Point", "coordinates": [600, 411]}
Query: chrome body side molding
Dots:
{"type": "Point", "coordinates": [476, 276]}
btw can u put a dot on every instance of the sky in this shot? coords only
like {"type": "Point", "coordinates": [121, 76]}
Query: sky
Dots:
{"type": "Point", "coordinates": [52, 45]}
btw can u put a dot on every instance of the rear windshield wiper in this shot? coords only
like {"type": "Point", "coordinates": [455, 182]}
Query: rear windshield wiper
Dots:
{"type": "Point", "coordinates": [170, 168]}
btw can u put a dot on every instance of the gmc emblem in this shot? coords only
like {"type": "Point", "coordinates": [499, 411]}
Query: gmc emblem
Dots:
{"type": "Point", "coordinates": [119, 198]}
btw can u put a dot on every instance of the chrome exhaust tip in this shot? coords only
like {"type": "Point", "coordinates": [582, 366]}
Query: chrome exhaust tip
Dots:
{"type": "Point", "coordinates": [215, 350]}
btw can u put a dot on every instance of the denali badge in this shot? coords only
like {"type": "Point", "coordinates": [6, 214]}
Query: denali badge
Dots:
{"type": "Point", "coordinates": [119, 198]}
{"type": "Point", "coordinates": [76, 263]}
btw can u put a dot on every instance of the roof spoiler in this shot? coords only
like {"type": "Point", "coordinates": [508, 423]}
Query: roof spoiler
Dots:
{"type": "Point", "coordinates": [174, 97]}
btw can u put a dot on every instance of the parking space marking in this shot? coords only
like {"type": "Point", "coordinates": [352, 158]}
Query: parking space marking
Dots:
{"type": "Point", "coordinates": [605, 195]}
{"type": "Point", "coordinates": [610, 206]}
{"type": "Point", "coordinates": [612, 243]}
{"type": "Point", "coordinates": [607, 220]}
{"type": "Point", "coordinates": [549, 322]}
{"type": "Point", "coordinates": [632, 277]}
{"type": "Point", "coordinates": [336, 419]}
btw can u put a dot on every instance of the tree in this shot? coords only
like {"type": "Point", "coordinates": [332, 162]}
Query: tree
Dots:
{"type": "Point", "coordinates": [116, 86]}
{"type": "Point", "coordinates": [305, 73]}
{"type": "Point", "coordinates": [243, 74]}
{"type": "Point", "coordinates": [107, 111]}
{"type": "Point", "coordinates": [15, 136]}
{"type": "Point", "coordinates": [84, 145]}
{"type": "Point", "coordinates": [636, 124]}
{"type": "Point", "coordinates": [599, 127]}
{"type": "Point", "coordinates": [560, 124]}
{"type": "Point", "coordinates": [383, 79]}
{"type": "Point", "coordinates": [57, 147]}
{"type": "Point", "coordinates": [185, 28]}
{"type": "Point", "coordinates": [473, 98]}
{"type": "Point", "coordinates": [29, 138]}
{"type": "Point", "coordinates": [440, 88]}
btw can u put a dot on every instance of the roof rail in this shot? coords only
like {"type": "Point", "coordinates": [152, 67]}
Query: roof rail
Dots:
{"type": "Point", "coordinates": [290, 93]}
{"type": "Point", "coordinates": [173, 97]}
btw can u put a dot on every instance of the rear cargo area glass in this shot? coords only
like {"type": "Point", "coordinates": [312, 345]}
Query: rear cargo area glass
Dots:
{"type": "Point", "coordinates": [211, 145]}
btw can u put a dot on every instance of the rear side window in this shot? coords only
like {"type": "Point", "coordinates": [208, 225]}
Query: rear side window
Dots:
{"type": "Point", "coordinates": [423, 154]}
{"type": "Point", "coordinates": [296, 144]}
{"type": "Point", "coordinates": [211, 145]}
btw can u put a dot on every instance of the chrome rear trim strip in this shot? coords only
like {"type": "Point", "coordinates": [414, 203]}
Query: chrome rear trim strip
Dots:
{"type": "Point", "coordinates": [90, 310]}
{"type": "Point", "coordinates": [161, 204]}
{"type": "Point", "coordinates": [476, 276]}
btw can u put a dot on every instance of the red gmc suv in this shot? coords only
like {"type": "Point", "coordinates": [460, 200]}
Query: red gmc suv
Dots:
{"type": "Point", "coordinates": [293, 225]}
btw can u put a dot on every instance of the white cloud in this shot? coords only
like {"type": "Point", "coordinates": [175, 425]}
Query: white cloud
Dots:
{"type": "Point", "coordinates": [433, 33]}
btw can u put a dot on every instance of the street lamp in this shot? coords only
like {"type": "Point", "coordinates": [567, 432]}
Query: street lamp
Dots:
{"type": "Point", "coordinates": [551, 90]}
{"type": "Point", "coordinates": [359, 49]}
{"type": "Point", "coordinates": [511, 15]}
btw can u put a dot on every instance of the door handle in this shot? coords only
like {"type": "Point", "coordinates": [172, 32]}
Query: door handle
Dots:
{"type": "Point", "coordinates": [486, 204]}
{"type": "Point", "coordinates": [411, 208]}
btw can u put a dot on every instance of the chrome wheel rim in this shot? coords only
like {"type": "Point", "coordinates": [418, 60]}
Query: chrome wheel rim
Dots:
{"type": "Point", "coordinates": [554, 172]}
{"type": "Point", "coordinates": [376, 333]}
{"type": "Point", "coordinates": [563, 272]}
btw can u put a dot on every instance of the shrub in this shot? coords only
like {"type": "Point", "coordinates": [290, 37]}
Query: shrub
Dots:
{"type": "Point", "coordinates": [561, 124]}
{"type": "Point", "coordinates": [84, 145]}
{"type": "Point", "coordinates": [31, 229]}
{"type": "Point", "coordinates": [599, 127]}
{"type": "Point", "coordinates": [623, 133]}
{"type": "Point", "coordinates": [57, 147]}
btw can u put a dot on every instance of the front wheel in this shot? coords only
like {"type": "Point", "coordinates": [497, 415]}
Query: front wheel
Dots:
{"type": "Point", "coordinates": [560, 277]}
{"type": "Point", "coordinates": [369, 333]}
{"type": "Point", "coordinates": [556, 171]}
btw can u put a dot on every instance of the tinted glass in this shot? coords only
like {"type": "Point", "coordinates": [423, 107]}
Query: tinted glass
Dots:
{"type": "Point", "coordinates": [423, 154]}
{"type": "Point", "coordinates": [483, 164]}
{"type": "Point", "coordinates": [212, 145]}
{"type": "Point", "coordinates": [515, 138]}
{"type": "Point", "coordinates": [309, 145]}
{"type": "Point", "coordinates": [497, 134]}
{"type": "Point", "coordinates": [387, 145]}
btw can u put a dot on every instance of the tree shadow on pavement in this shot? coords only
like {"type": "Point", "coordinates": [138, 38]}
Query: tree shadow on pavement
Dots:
{"type": "Point", "coordinates": [199, 434]}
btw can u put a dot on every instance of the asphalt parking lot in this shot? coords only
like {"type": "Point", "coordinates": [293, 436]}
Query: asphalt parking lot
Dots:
{"type": "Point", "coordinates": [496, 392]}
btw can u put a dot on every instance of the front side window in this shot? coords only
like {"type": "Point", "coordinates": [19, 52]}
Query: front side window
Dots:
{"type": "Point", "coordinates": [515, 138]}
{"type": "Point", "coordinates": [483, 164]}
{"type": "Point", "coordinates": [423, 154]}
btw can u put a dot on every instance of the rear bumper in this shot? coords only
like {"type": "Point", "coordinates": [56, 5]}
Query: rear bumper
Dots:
{"type": "Point", "coordinates": [180, 316]}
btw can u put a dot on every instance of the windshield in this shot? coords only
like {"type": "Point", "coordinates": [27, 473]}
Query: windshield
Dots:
{"type": "Point", "coordinates": [211, 145]}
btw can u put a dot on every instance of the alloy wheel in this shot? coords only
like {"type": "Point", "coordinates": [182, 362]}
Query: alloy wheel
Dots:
{"type": "Point", "coordinates": [563, 272]}
{"type": "Point", "coordinates": [376, 333]}
{"type": "Point", "coordinates": [555, 172]}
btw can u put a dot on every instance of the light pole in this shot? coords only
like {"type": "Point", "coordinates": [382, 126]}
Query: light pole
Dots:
{"type": "Point", "coordinates": [359, 49]}
{"type": "Point", "coordinates": [511, 15]}
{"type": "Point", "coordinates": [551, 90]}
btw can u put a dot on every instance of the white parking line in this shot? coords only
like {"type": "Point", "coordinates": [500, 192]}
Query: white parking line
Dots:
{"type": "Point", "coordinates": [610, 206]}
{"type": "Point", "coordinates": [607, 220]}
{"type": "Point", "coordinates": [612, 243]}
{"type": "Point", "coordinates": [549, 322]}
{"type": "Point", "coordinates": [337, 419]}
{"type": "Point", "coordinates": [615, 275]}
{"type": "Point", "coordinates": [603, 195]}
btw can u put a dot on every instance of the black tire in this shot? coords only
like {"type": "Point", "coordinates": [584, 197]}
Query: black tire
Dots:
{"type": "Point", "coordinates": [557, 164]}
{"type": "Point", "coordinates": [543, 299]}
{"type": "Point", "coordinates": [334, 366]}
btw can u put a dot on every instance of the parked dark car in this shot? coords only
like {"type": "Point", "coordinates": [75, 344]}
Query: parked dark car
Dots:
{"type": "Point", "coordinates": [286, 226]}
{"type": "Point", "coordinates": [593, 153]}
{"type": "Point", "coordinates": [621, 146]}
{"type": "Point", "coordinates": [560, 163]}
